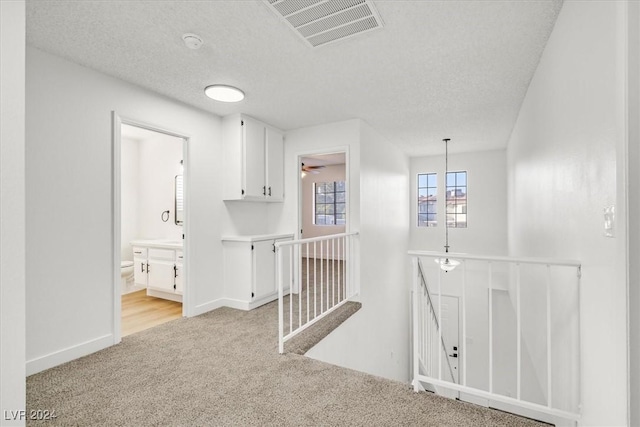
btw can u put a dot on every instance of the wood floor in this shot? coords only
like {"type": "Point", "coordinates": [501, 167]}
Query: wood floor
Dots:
{"type": "Point", "coordinates": [140, 312]}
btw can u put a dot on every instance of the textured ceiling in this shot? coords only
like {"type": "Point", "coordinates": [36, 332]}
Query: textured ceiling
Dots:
{"type": "Point", "coordinates": [455, 69]}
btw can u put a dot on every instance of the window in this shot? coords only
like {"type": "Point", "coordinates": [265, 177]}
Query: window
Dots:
{"type": "Point", "coordinates": [427, 200]}
{"type": "Point", "coordinates": [330, 203]}
{"type": "Point", "coordinates": [456, 199]}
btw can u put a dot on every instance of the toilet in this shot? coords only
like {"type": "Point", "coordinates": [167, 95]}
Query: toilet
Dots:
{"type": "Point", "coordinates": [126, 272]}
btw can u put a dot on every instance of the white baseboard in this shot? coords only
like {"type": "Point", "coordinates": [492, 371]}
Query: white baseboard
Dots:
{"type": "Point", "coordinates": [234, 303]}
{"type": "Point", "coordinates": [68, 354]}
{"type": "Point", "coordinates": [529, 413]}
{"type": "Point", "coordinates": [208, 306]}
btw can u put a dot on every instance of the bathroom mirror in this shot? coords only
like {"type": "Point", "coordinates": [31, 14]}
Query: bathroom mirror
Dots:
{"type": "Point", "coordinates": [179, 198]}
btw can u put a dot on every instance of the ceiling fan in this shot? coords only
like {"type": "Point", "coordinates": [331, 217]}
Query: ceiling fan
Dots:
{"type": "Point", "coordinates": [311, 169]}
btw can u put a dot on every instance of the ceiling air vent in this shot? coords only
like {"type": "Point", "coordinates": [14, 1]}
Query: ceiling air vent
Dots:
{"type": "Point", "coordinates": [319, 22]}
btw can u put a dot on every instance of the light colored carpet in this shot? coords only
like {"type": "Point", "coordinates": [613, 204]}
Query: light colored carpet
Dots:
{"type": "Point", "coordinates": [223, 369]}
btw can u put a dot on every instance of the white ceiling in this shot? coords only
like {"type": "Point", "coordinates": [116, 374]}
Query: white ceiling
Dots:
{"type": "Point", "coordinates": [438, 69]}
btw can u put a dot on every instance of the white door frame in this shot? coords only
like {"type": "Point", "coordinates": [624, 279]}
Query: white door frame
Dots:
{"type": "Point", "coordinates": [317, 152]}
{"type": "Point", "coordinates": [117, 122]}
{"type": "Point", "coordinates": [299, 156]}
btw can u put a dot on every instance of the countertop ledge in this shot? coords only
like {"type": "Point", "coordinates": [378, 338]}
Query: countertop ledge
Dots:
{"type": "Point", "coordinates": [158, 243]}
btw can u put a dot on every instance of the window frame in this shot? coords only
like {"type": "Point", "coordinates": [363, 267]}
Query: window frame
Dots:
{"type": "Point", "coordinates": [335, 204]}
{"type": "Point", "coordinates": [457, 188]}
{"type": "Point", "coordinates": [434, 205]}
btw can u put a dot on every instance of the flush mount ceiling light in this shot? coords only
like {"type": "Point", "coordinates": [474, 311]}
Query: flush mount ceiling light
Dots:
{"type": "Point", "coordinates": [224, 93]}
{"type": "Point", "coordinates": [446, 263]}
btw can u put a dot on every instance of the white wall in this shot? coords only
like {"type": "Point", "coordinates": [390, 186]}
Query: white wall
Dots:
{"type": "Point", "coordinates": [159, 164]}
{"type": "Point", "coordinates": [562, 167]}
{"type": "Point", "coordinates": [486, 232]}
{"type": "Point", "coordinates": [376, 339]}
{"type": "Point", "coordinates": [129, 195]}
{"type": "Point", "coordinates": [12, 210]}
{"type": "Point", "coordinates": [69, 216]}
{"type": "Point", "coordinates": [330, 173]}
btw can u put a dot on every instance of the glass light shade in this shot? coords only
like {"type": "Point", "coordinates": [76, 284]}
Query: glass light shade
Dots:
{"type": "Point", "coordinates": [224, 93]}
{"type": "Point", "coordinates": [447, 264]}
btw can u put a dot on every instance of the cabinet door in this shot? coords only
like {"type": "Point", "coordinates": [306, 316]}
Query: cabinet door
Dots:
{"type": "Point", "coordinates": [264, 281]}
{"type": "Point", "coordinates": [275, 165]}
{"type": "Point", "coordinates": [179, 281]}
{"type": "Point", "coordinates": [253, 159]}
{"type": "Point", "coordinates": [140, 271]}
{"type": "Point", "coordinates": [161, 275]}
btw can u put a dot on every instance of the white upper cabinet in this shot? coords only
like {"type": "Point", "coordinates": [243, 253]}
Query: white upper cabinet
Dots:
{"type": "Point", "coordinates": [253, 160]}
{"type": "Point", "coordinates": [275, 165]}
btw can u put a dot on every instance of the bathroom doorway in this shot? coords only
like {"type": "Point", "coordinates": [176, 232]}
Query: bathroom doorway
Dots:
{"type": "Point", "coordinates": [150, 200]}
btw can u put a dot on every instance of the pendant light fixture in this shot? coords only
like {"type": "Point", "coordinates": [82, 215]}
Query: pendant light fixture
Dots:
{"type": "Point", "coordinates": [446, 263]}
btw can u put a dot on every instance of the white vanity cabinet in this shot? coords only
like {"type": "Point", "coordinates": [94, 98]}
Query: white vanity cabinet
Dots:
{"type": "Point", "coordinates": [159, 267]}
{"type": "Point", "coordinates": [140, 266]}
{"type": "Point", "coordinates": [250, 270]}
{"type": "Point", "coordinates": [253, 159]}
{"type": "Point", "coordinates": [179, 272]}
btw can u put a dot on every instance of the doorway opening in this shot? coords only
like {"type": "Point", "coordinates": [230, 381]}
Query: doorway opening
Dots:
{"type": "Point", "coordinates": [323, 199]}
{"type": "Point", "coordinates": [150, 195]}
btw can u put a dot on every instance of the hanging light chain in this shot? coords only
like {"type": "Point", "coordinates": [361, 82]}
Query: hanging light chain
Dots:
{"type": "Point", "coordinates": [446, 170]}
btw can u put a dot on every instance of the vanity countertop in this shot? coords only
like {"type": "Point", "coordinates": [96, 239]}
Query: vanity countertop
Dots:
{"type": "Point", "coordinates": [158, 243]}
{"type": "Point", "coordinates": [257, 237]}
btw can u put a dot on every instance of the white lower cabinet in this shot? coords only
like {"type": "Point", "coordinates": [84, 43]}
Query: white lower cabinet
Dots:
{"type": "Point", "coordinates": [160, 270]}
{"type": "Point", "coordinates": [179, 272]}
{"type": "Point", "coordinates": [140, 266]}
{"type": "Point", "coordinates": [250, 270]}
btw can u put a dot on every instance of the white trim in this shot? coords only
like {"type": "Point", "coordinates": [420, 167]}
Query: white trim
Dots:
{"type": "Point", "coordinates": [238, 304]}
{"type": "Point", "coordinates": [515, 260]}
{"type": "Point", "coordinates": [320, 151]}
{"type": "Point", "coordinates": [68, 354]}
{"type": "Point", "coordinates": [209, 306]}
{"type": "Point", "coordinates": [627, 177]}
{"type": "Point", "coordinates": [234, 303]}
{"type": "Point", "coordinates": [116, 143]}
{"type": "Point", "coordinates": [499, 398]}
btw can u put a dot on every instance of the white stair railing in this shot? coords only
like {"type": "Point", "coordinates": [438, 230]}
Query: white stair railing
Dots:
{"type": "Point", "coordinates": [322, 272]}
{"type": "Point", "coordinates": [428, 327]}
{"type": "Point", "coordinates": [549, 344]}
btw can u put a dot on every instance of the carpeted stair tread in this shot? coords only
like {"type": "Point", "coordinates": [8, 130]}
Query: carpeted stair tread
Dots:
{"type": "Point", "coordinates": [315, 333]}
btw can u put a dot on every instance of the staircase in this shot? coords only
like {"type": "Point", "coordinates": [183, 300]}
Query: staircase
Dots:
{"type": "Point", "coordinates": [517, 334]}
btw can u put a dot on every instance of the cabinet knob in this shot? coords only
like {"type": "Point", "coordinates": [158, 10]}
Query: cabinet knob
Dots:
{"type": "Point", "coordinates": [269, 191]}
{"type": "Point", "coordinates": [264, 190]}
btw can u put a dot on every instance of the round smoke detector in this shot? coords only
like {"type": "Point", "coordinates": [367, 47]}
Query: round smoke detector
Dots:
{"type": "Point", "coordinates": [192, 41]}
